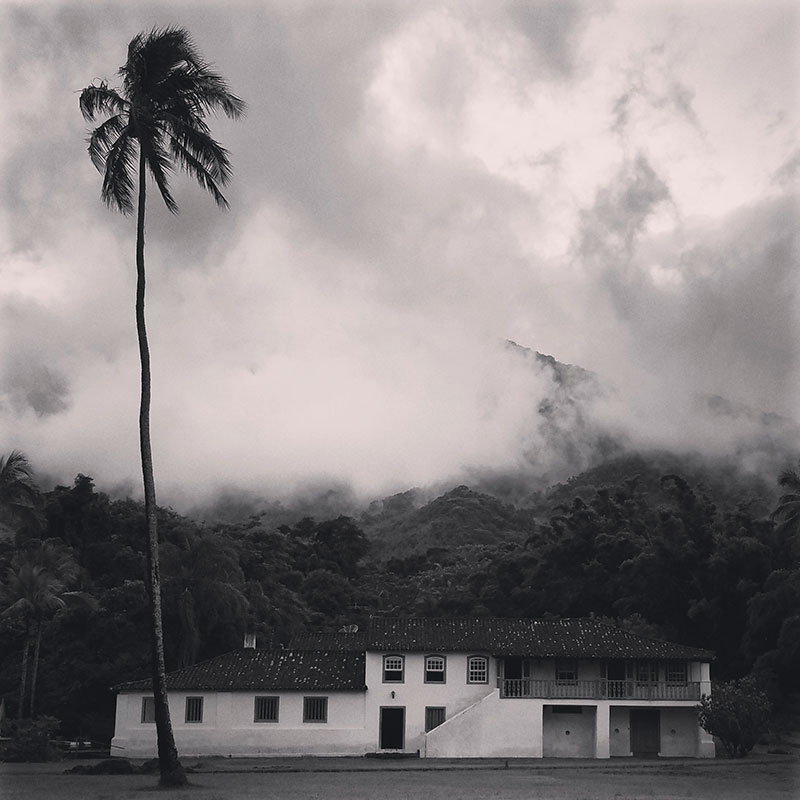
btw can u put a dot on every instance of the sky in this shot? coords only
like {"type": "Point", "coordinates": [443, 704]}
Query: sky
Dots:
{"type": "Point", "coordinates": [611, 183]}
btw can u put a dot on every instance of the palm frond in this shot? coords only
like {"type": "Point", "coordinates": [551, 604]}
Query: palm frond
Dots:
{"type": "Point", "coordinates": [206, 92]}
{"type": "Point", "coordinates": [104, 136]}
{"type": "Point", "coordinates": [118, 179]}
{"type": "Point", "coordinates": [185, 138]}
{"type": "Point", "coordinates": [100, 99]}
{"type": "Point", "coordinates": [199, 171]}
{"type": "Point", "coordinates": [160, 167]}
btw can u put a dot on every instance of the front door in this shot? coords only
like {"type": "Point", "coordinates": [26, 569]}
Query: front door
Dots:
{"type": "Point", "coordinates": [645, 732]}
{"type": "Point", "coordinates": [393, 728]}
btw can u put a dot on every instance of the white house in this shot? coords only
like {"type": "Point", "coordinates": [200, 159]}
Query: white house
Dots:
{"type": "Point", "coordinates": [451, 688]}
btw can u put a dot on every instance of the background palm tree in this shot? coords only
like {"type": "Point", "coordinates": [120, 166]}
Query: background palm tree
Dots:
{"type": "Point", "coordinates": [787, 511]}
{"type": "Point", "coordinates": [35, 588]}
{"type": "Point", "coordinates": [18, 493]}
{"type": "Point", "coordinates": [155, 123]}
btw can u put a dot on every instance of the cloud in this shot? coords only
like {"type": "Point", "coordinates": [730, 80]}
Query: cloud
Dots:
{"type": "Point", "coordinates": [413, 184]}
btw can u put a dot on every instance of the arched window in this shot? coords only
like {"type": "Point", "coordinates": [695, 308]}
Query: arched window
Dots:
{"type": "Point", "coordinates": [435, 669]}
{"type": "Point", "coordinates": [393, 669]}
{"type": "Point", "coordinates": [477, 669]}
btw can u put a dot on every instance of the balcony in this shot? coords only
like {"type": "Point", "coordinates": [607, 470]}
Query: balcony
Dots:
{"type": "Point", "coordinates": [597, 690]}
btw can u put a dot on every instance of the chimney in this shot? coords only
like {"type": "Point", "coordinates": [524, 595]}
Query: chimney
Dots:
{"type": "Point", "coordinates": [250, 641]}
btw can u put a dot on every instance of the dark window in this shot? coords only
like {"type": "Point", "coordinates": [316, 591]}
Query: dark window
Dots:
{"type": "Point", "coordinates": [148, 709]}
{"type": "Point", "coordinates": [194, 709]}
{"type": "Point", "coordinates": [677, 672]}
{"type": "Point", "coordinates": [435, 669]}
{"type": "Point", "coordinates": [567, 709]}
{"type": "Point", "coordinates": [266, 709]}
{"type": "Point", "coordinates": [646, 671]}
{"type": "Point", "coordinates": [393, 669]}
{"type": "Point", "coordinates": [434, 717]}
{"type": "Point", "coordinates": [477, 669]}
{"type": "Point", "coordinates": [315, 709]}
{"type": "Point", "coordinates": [566, 670]}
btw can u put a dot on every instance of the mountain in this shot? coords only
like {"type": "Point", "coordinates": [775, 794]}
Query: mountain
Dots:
{"type": "Point", "coordinates": [396, 526]}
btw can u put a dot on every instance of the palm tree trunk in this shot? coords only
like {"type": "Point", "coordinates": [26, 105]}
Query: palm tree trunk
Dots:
{"type": "Point", "coordinates": [26, 648]}
{"type": "Point", "coordinates": [172, 773]}
{"type": "Point", "coordinates": [35, 669]}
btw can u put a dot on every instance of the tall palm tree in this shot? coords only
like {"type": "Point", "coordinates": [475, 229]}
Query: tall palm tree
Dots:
{"type": "Point", "coordinates": [156, 122]}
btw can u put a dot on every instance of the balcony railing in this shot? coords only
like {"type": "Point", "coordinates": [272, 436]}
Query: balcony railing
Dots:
{"type": "Point", "coordinates": [597, 690]}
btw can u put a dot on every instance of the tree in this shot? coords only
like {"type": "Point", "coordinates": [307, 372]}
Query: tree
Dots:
{"type": "Point", "coordinates": [18, 494]}
{"type": "Point", "coordinates": [155, 123]}
{"type": "Point", "coordinates": [788, 510]}
{"type": "Point", "coordinates": [35, 587]}
{"type": "Point", "coordinates": [737, 714]}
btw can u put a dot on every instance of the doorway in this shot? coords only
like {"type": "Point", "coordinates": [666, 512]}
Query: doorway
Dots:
{"type": "Point", "coordinates": [393, 728]}
{"type": "Point", "coordinates": [645, 732]}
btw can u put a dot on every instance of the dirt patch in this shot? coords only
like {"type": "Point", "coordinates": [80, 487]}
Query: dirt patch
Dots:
{"type": "Point", "coordinates": [765, 779]}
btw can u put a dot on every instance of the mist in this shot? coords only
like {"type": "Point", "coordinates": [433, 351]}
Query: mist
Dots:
{"type": "Point", "coordinates": [414, 186]}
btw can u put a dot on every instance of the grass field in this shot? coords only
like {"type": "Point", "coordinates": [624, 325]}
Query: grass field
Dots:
{"type": "Point", "coordinates": [762, 779]}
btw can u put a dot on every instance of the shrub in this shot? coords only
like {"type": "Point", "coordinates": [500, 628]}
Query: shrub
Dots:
{"type": "Point", "coordinates": [737, 714]}
{"type": "Point", "coordinates": [31, 739]}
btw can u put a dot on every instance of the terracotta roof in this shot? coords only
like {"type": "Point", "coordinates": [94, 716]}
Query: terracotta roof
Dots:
{"type": "Point", "coordinates": [268, 670]}
{"type": "Point", "coordinates": [568, 638]}
{"type": "Point", "coordinates": [330, 642]}
{"type": "Point", "coordinates": [336, 661]}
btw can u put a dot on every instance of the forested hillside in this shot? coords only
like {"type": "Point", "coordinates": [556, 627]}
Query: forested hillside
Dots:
{"type": "Point", "coordinates": [661, 545]}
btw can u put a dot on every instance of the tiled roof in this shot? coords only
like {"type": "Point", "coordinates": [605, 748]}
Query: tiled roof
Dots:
{"type": "Point", "coordinates": [330, 642]}
{"type": "Point", "coordinates": [336, 661]}
{"type": "Point", "coordinates": [568, 638]}
{"type": "Point", "coordinates": [268, 670]}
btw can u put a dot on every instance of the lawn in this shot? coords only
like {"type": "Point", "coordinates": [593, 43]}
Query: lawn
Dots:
{"type": "Point", "coordinates": [764, 779]}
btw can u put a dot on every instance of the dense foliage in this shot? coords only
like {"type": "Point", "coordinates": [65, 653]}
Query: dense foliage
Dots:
{"type": "Point", "coordinates": [737, 714]}
{"type": "Point", "coordinates": [663, 553]}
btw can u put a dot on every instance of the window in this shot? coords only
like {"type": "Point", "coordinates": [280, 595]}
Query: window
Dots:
{"type": "Point", "coordinates": [677, 672]}
{"type": "Point", "coordinates": [646, 672]}
{"type": "Point", "coordinates": [434, 717]}
{"type": "Point", "coordinates": [315, 709]}
{"type": "Point", "coordinates": [567, 709]}
{"type": "Point", "coordinates": [148, 709]}
{"type": "Point", "coordinates": [566, 670]}
{"type": "Point", "coordinates": [266, 709]}
{"type": "Point", "coordinates": [477, 669]}
{"type": "Point", "coordinates": [393, 667]}
{"type": "Point", "coordinates": [435, 669]}
{"type": "Point", "coordinates": [194, 709]}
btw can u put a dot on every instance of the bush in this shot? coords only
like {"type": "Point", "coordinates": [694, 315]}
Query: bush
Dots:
{"type": "Point", "coordinates": [31, 739]}
{"type": "Point", "coordinates": [737, 714]}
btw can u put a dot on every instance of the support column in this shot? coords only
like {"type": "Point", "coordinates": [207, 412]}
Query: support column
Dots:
{"type": "Point", "coordinates": [602, 738]}
{"type": "Point", "coordinates": [537, 714]}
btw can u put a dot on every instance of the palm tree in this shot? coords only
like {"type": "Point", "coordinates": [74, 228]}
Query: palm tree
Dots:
{"type": "Point", "coordinates": [18, 494]}
{"type": "Point", "coordinates": [35, 587]}
{"type": "Point", "coordinates": [155, 123]}
{"type": "Point", "coordinates": [788, 510]}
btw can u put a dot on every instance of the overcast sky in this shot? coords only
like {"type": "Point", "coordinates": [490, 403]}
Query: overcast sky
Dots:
{"type": "Point", "coordinates": [612, 183]}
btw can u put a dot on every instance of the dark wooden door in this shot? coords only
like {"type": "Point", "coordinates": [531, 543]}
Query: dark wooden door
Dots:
{"type": "Point", "coordinates": [645, 732]}
{"type": "Point", "coordinates": [393, 728]}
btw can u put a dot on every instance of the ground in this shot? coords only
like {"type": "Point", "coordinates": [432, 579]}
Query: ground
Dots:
{"type": "Point", "coordinates": [765, 778]}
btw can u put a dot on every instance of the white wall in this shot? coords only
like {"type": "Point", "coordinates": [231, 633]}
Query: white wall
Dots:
{"type": "Point", "coordinates": [228, 727]}
{"type": "Point", "coordinates": [491, 728]}
{"type": "Point", "coordinates": [569, 735]}
{"type": "Point", "coordinates": [414, 694]}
